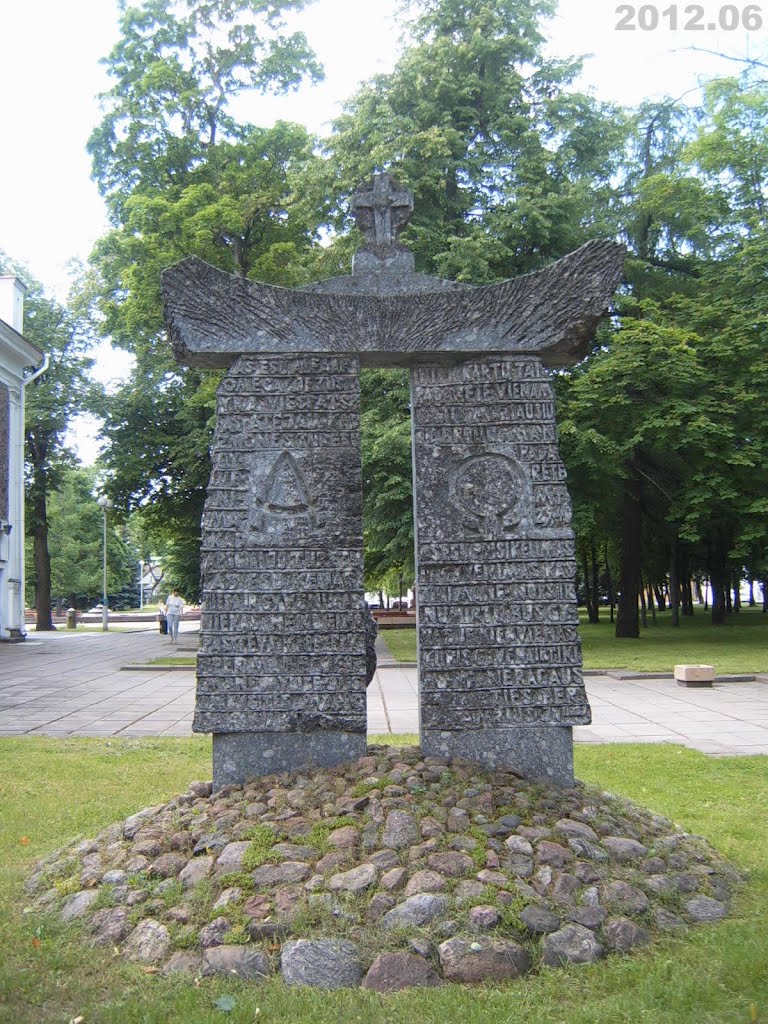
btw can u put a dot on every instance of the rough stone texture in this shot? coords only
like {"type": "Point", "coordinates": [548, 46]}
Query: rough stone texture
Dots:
{"type": "Point", "coordinates": [392, 972]}
{"type": "Point", "coordinates": [624, 935]}
{"type": "Point", "coordinates": [110, 926]}
{"type": "Point", "coordinates": [572, 944]}
{"type": "Point", "coordinates": [499, 654]}
{"type": "Point", "coordinates": [703, 909]}
{"type": "Point", "coordinates": [486, 960]}
{"type": "Point", "coordinates": [248, 964]}
{"type": "Point", "coordinates": [425, 881]}
{"type": "Point", "coordinates": [291, 906]}
{"type": "Point", "coordinates": [195, 871]}
{"type": "Point", "coordinates": [231, 857]}
{"type": "Point", "coordinates": [416, 910]}
{"type": "Point", "coordinates": [214, 317]}
{"type": "Point", "coordinates": [356, 881]}
{"type": "Point", "coordinates": [183, 962]}
{"type": "Point", "coordinates": [539, 920]}
{"type": "Point", "coordinates": [323, 963]}
{"type": "Point", "coordinates": [282, 663]}
{"type": "Point", "coordinates": [400, 830]}
{"type": "Point", "coordinates": [77, 904]}
{"type": "Point", "coordinates": [148, 942]}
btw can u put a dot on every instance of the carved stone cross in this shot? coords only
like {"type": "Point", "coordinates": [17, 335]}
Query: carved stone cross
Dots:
{"type": "Point", "coordinates": [382, 211]}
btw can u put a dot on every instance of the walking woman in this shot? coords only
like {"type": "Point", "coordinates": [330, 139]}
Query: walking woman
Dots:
{"type": "Point", "coordinates": [174, 606]}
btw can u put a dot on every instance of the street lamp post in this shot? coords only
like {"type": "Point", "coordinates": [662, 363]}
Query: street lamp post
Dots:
{"type": "Point", "coordinates": [105, 504]}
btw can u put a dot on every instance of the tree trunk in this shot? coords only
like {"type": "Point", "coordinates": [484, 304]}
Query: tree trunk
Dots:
{"type": "Point", "coordinates": [627, 621]}
{"type": "Point", "coordinates": [661, 599]}
{"type": "Point", "coordinates": [609, 582]}
{"type": "Point", "coordinates": [651, 605]}
{"type": "Point", "coordinates": [643, 607]}
{"type": "Point", "coordinates": [751, 591]}
{"type": "Point", "coordinates": [595, 581]}
{"type": "Point", "coordinates": [42, 580]}
{"type": "Point", "coordinates": [590, 596]}
{"type": "Point", "coordinates": [674, 584]}
{"type": "Point", "coordinates": [718, 575]}
{"type": "Point", "coordinates": [764, 585]}
{"type": "Point", "coordinates": [737, 594]}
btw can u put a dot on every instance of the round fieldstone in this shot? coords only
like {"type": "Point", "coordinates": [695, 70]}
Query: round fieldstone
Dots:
{"type": "Point", "coordinates": [453, 864]}
{"type": "Point", "coordinates": [539, 920]}
{"type": "Point", "coordinates": [467, 891]}
{"type": "Point", "coordinates": [148, 942]}
{"type": "Point", "coordinates": [355, 881]}
{"type": "Point", "coordinates": [425, 881]}
{"type": "Point", "coordinates": [486, 960]}
{"type": "Point", "coordinates": [115, 877]}
{"type": "Point", "coordinates": [519, 845]}
{"type": "Point", "coordinates": [278, 874]}
{"type": "Point", "coordinates": [489, 877]}
{"type": "Point", "coordinates": [136, 864]}
{"type": "Point", "coordinates": [227, 897]}
{"type": "Point", "coordinates": [660, 885]}
{"type": "Point", "coordinates": [571, 828]}
{"type": "Point", "coordinates": [415, 911]}
{"type": "Point", "coordinates": [169, 865]}
{"type": "Point", "coordinates": [384, 860]}
{"type": "Point", "coordinates": [321, 963]}
{"type": "Point", "coordinates": [392, 972]}
{"type": "Point", "coordinates": [589, 917]}
{"type": "Point", "coordinates": [623, 896]}
{"type": "Point", "coordinates": [195, 871]}
{"type": "Point", "coordinates": [183, 962]}
{"type": "Point", "coordinates": [392, 879]}
{"type": "Point", "coordinates": [571, 944]}
{"type": "Point", "coordinates": [345, 838]}
{"type": "Point", "coordinates": [666, 921]}
{"type": "Point", "coordinates": [214, 934]}
{"type": "Point", "coordinates": [380, 903]}
{"type": "Point", "coordinates": [624, 935]}
{"type": "Point", "coordinates": [231, 857]}
{"type": "Point", "coordinates": [705, 910]}
{"type": "Point", "coordinates": [77, 904]}
{"type": "Point", "coordinates": [484, 917]}
{"type": "Point", "coordinates": [588, 850]}
{"type": "Point", "coordinates": [624, 849]}
{"type": "Point", "coordinates": [110, 926]}
{"type": "Point", "coordinates": [553, 854]}
{"type": "Point", "coordinates": [242, 961]}
{"type": "Point", "coordinates": [149, 848]}
{"type": "Point", "coordinates": [400, 830]}
{"type": "Point", "coordinates": [258, 907]}
{"type": "Point", "coordinates": [291, 851]}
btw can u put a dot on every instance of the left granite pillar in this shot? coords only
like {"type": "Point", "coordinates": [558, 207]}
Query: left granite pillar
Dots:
{"type": "Point", "coordinates": [281, 669]}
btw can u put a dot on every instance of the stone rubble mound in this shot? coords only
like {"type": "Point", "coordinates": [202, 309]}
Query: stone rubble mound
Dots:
{"type": "Point", "coordinates": [390, 872]}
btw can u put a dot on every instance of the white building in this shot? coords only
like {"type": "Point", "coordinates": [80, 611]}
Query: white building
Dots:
{"type": "Point", "coordinates": [17, 355]}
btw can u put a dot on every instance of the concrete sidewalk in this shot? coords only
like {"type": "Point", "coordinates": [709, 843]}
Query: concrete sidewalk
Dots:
{"type": "Point", "coordinates": [73, 684]}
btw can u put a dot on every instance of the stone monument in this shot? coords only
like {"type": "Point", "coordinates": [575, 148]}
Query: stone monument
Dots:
{"type": "Point", "coordinates": [282, 664]}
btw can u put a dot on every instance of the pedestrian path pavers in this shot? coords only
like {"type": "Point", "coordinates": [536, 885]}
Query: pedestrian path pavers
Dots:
{"type": "Point", "coordinates": [72, 684]}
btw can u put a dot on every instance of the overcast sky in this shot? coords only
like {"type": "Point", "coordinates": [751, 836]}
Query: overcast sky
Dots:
{"type": "Point", "coordinates": [50, 78]}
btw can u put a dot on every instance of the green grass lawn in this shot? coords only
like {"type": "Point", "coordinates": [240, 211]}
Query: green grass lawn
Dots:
{"type": "Point", "coordinates": [180, 660]}
{"type": "Point", "coordinates": [53, 790]}
{"type": "Point", "coordinates": [741, 645]}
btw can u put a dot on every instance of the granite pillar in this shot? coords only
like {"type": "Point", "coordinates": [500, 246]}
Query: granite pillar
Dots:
{"type": "Point", "coordinates": [500, 665]}
{"type": "Point", "coordinates": [282, 664]}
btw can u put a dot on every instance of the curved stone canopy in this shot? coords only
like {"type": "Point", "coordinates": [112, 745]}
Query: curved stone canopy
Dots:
{"type": "Point", "coordinates": [393, 318]}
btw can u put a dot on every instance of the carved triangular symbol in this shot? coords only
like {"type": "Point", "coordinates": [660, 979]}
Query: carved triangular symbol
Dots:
{"type": "Point", "coordinates": [285, 489]}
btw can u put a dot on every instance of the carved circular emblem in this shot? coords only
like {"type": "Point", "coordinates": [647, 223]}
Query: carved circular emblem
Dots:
{"type": "Point", "coordinates": [488, 489]}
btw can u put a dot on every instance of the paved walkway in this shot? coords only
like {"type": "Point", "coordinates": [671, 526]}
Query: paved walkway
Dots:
{"type": "Point", "coordinates": [73, 684]}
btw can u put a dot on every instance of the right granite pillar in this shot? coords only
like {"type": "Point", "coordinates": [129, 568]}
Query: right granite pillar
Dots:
{"type": "Point", "coordinates": [500, 665]}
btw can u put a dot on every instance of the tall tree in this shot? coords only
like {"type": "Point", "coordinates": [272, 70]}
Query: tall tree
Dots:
{"type": "Point", "coordinates": [182, 177]}
{"type": "Point", "coordinates": [51, 403]}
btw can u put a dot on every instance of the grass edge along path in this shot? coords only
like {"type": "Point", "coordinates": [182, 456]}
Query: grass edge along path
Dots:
{"type": "Point", "coordinates": [740, 645]}
{"type": "Point", "coordinates": [52, 790]}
